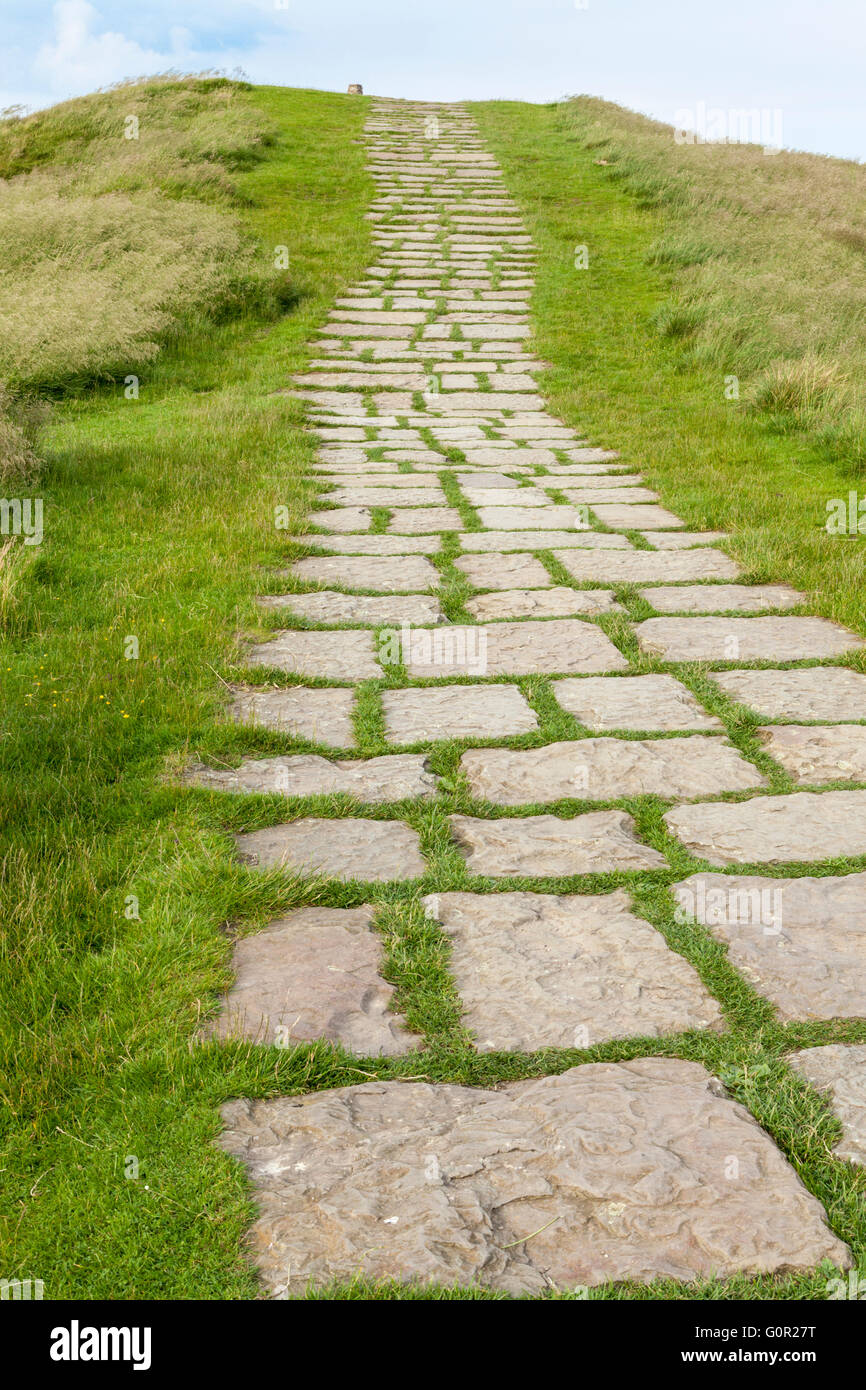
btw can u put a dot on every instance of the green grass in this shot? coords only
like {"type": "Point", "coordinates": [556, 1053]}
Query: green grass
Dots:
{"type": "Point", "coordinates": [159, 519]}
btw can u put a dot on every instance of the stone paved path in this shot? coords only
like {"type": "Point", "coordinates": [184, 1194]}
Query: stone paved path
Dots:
{"type": "Point", "coordinates": [434, 439]}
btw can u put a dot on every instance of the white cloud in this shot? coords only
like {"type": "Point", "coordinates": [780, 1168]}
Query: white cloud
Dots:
{"type": "Point", "coordinates": [80, 57]}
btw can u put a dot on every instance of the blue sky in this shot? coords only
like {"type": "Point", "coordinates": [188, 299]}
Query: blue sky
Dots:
{"type": "Point", "coordinates": [801, 58]}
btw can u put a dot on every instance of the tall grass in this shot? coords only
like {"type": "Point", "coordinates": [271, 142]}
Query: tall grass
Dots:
{"type": "Point", "coordinates": [767, 257]}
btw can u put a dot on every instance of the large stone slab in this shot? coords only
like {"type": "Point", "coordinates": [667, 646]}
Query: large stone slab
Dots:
{"type": "Point", "coordinates": [562, 645]}
{"type": "Point", "coordinates": [371, 545]}
{"type": "Point", "coordinates": [387, 497]}
{"type": "Point", "coordinates": [799, 941]}
{"type": "Point", "coordinates": [389, 778]}
{"type": "Point", "coordinates": [810, 754]}
{"type": "Point", "coordinates": [819, 692]}
{"type": "Point", "coordinates": [495, 497]}
{"type": "Point", "coordinates": [371, 851]}
{"type": "Point", "coordinates": [722, 598]}
{"type": "Point", "coordinates": [330, 607]}
{"type": "Point", "coordinates": [512, 571]}
{"type": "Point", "coordinates": [839, 1069]}
{"type": "Point", "coordinates": [556, 602]}
{"type": "Point", "coordinates": [552, 846]}
{"type": "Point", "coordinates": [633, 702]}
{"type": "Point", "coordinates": [343, 518]}
{"type": "Point", "coordinates": [683, 540]}
{"type": "Point", "coordinates": [323, 716]}
{"type": "Point", "coordinates": [637, 518]}
{"type": "Point", "coordinates": [542, 540]}
{"type": "Point", "coordinates": [604, 769]}
{"type": "Point", "coordinates": [456, 711]}
{"type": "Point", "coordinates": [408, 574]}
{"type": "Point", "coordinates": [553, 517]}
{"type": "Point", "coordinates": [341, 656]}
{"type": "Point", "coordinates": [592, 496]}
{"type": "Point", "coordinates": [798, 827]}
{"type": "Point", "coordinates": [744, 639]}
{"type": "Point", "coordinates": [415, 521]}
{"type": "Point", "coordinates": [645, 566]}
{"type": "Point", "coordinates": [534, 970]}
{"type": "Point", "coordinates": [315, 973]}
{"type": "Point", "coordinates": [610, 1171]}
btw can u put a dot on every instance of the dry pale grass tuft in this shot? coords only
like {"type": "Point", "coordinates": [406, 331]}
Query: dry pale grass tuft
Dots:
{"type": "Point", "coordinates": [20, 422]}
{"type": "Point", "coordinates": [768, 255]}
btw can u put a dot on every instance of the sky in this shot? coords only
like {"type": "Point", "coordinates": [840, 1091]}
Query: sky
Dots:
{"type": "Point", "coordinates": [798, 62]}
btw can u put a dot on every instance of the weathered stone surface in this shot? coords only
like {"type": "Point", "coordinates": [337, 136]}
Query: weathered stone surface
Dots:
{"type": "Point", "coordinates": [341, 656]}
{"type": "Point", "coordinates": [324, 716]}
{"type": "Point", "coordinates": [550, 846]}
{"type": "Point", "coordinates": [534, 970]}
{"type": "Point", "coordinates": [496, 497]}
{"type": "Point", "coordinates": [683, 540]}
{"type": "Point", "coordinates": [504, 571]}
{"type": "Point", "coordinates": [638, 518]}
{"type": "Point", "coordinates": [406, 575]}
{"type": "Point", "coordinates": [633, 702]}
{"type": "Point", "coordinates": [387, 496]}
{"type": "Point", "coordinates": [557, 602]}
{"type": "Point", "coordinates": [820, 692]}
{"type": "Point", "coordinates": [603, 769]}
{"type": "Point", "coordinates": [810, 754]}
{"type": "Point", "coordinates": [359, 608]}
{"type": "Point", "coordinates": [610, 1171]}
{"type": "Point", "coordinates": [799, 941]}
{"type": "Point", "coordinates": [415, 521]}
{"type": "Point", "coordinates": [840, 1070]}
{"type": "Point", "coordinates": [314, 973]}
{"type": "Point", "coordinates": [343, 518]}
{"type": "Point", "coordinates": [487, 479]}
{"type": "Point", "coordinates": [542, 540]}
{"type": "Point", "coordinates": [371, 545]}
{"type": "Point", "coordinates": [548, 518]}
{"type": "Point", "coordinates": [721, 598]}
{"type": "Point", "coordinates": [644, 566]}
{"type": "Point", "coordinates": [371, 851]}
{"type": "Point", "coordinates": [799, 827]}
{"type": "Point", "coordinates": [456, 711]}
{"type": "Point", "coordinates": [561, 645]}
{"type": "Point", "coordinates": [592, 496]}
{"type": "Point", "coordinates": [389, 778]}
{"type": "Point", "coordinates": [744, 639]}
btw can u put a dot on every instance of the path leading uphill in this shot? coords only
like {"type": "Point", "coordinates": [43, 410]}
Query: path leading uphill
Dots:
{"type": "Point", "coordinates": [435, 442]}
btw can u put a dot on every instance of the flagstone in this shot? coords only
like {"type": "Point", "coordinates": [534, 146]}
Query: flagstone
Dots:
{"type": "Point", "coordinates": [794, 828]}
{"type": "Point", "coordinates": [343, 519]}
{"type": "Point", "coordinates": [643, 566]}
{"type": "Point", "coordinates": [393, 777]}
{"type": "Point", "coordinates": [328, 655]}
{"type": "Point", "coordinates": [561, 645]}
{"type": "Point", "coordinates": [369, 851]}
{"type": "Point", "coordinates": [820, 692]}
{"type": "Point", "coordinates": [495, 571]}
{"type": "Point", "coordinates": [557, 602]}
{"type": "Point", "coordinates": [323, 716]}
{"type": "Point", "coordinates": [542, 540]}
{"type": "Point", "coordinates": [636, 518]}
{"type": "Point", "coordinates": [659, 703]}
{"type": "Point", "coordinates": [549, 517]}
{"type": "Point", "coordinates": [418, 496]}
{"type": "Point", "coordinates": [810, 754]}
{"type": "Point", "coordinates": [552, 846]}
{"type": "Point", "coordinates": [524, 1186]}
{"type": "Point", "coordinates": [456, 711]}
{"type": "Point", "coordinates": [370, 545]}
{"type": "Point", "coordinates": [683, 540]}
{"type": "Point", "coordinates": [395, 576]}
{"type": "Point", "coordinates": [334, 607]}
{"type": "Point", "coordinates": [744, 639]}
{"type": "Point", "coordinates": [592, 496]}
{"type": "Point", "coordinates": [722, 598]}
{"type": "Point", "coordinates": [839, 1070]}
{"type": "Point", "coordinates": [425, 519]}
{"type": "Point", "coordinates": [800, 941]}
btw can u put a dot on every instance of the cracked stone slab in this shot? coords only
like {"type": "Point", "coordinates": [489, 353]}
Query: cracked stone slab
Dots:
{"type": "Point", "coordinates": [794, 828]}
{"type": "Point", "coordinates": [409, 574]}
{"type": "Point", "coordinates": [839, 1069]}
{"type": "Point", "coordinates": [800, 941]}
{"type": "Point", "coordinates": [604, 769]}
{"type": "Point", "coordinates": [810, 754]}
{"type": "Point", "coordinates": [542, 540]}
{"type": "Point", "coordinates": [392, 777]}
{"type": "Point", "coordinates": [456, 711]}
{"type": "Point", "coordinates": [633, 702]}
{"type": "Point", "coordinates": [610, 1171]}
{"type": "Point", "coordinates": [638, 517]}
{"type": "Point", "coordinates": [551, 846]}
{"type": "Point", "coordinates": [371, 545]}
{"type": "Point", "coordinates": [563, 645]}
{"type": "Point", "coordinates": [323, 716]}
{"type": "Point", "coordinates": [721, 598]}
{"type": "Point", "coordinates": [535, 970]}
{"type": "Point", "coordinates": [556, 602]}
{"type": "Point", "coordinates": [646, 566]}
{"type": "Point", "coordinates": [359, 608]}
{"type": "Point", "coordinates": [369, 851]}
{"type": "Point", "coordinates": [820, 692]}
{"type": "Point", "coordinates": [744, 639]}
{"type": "Point", "coordinates": [343, 656]}
{"type": "Point", "coordinates": [417, 520]}
{"type": "Point", "coordinates": [315, 973]}
{"type": "Point", "coordinates": [509, 571]}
